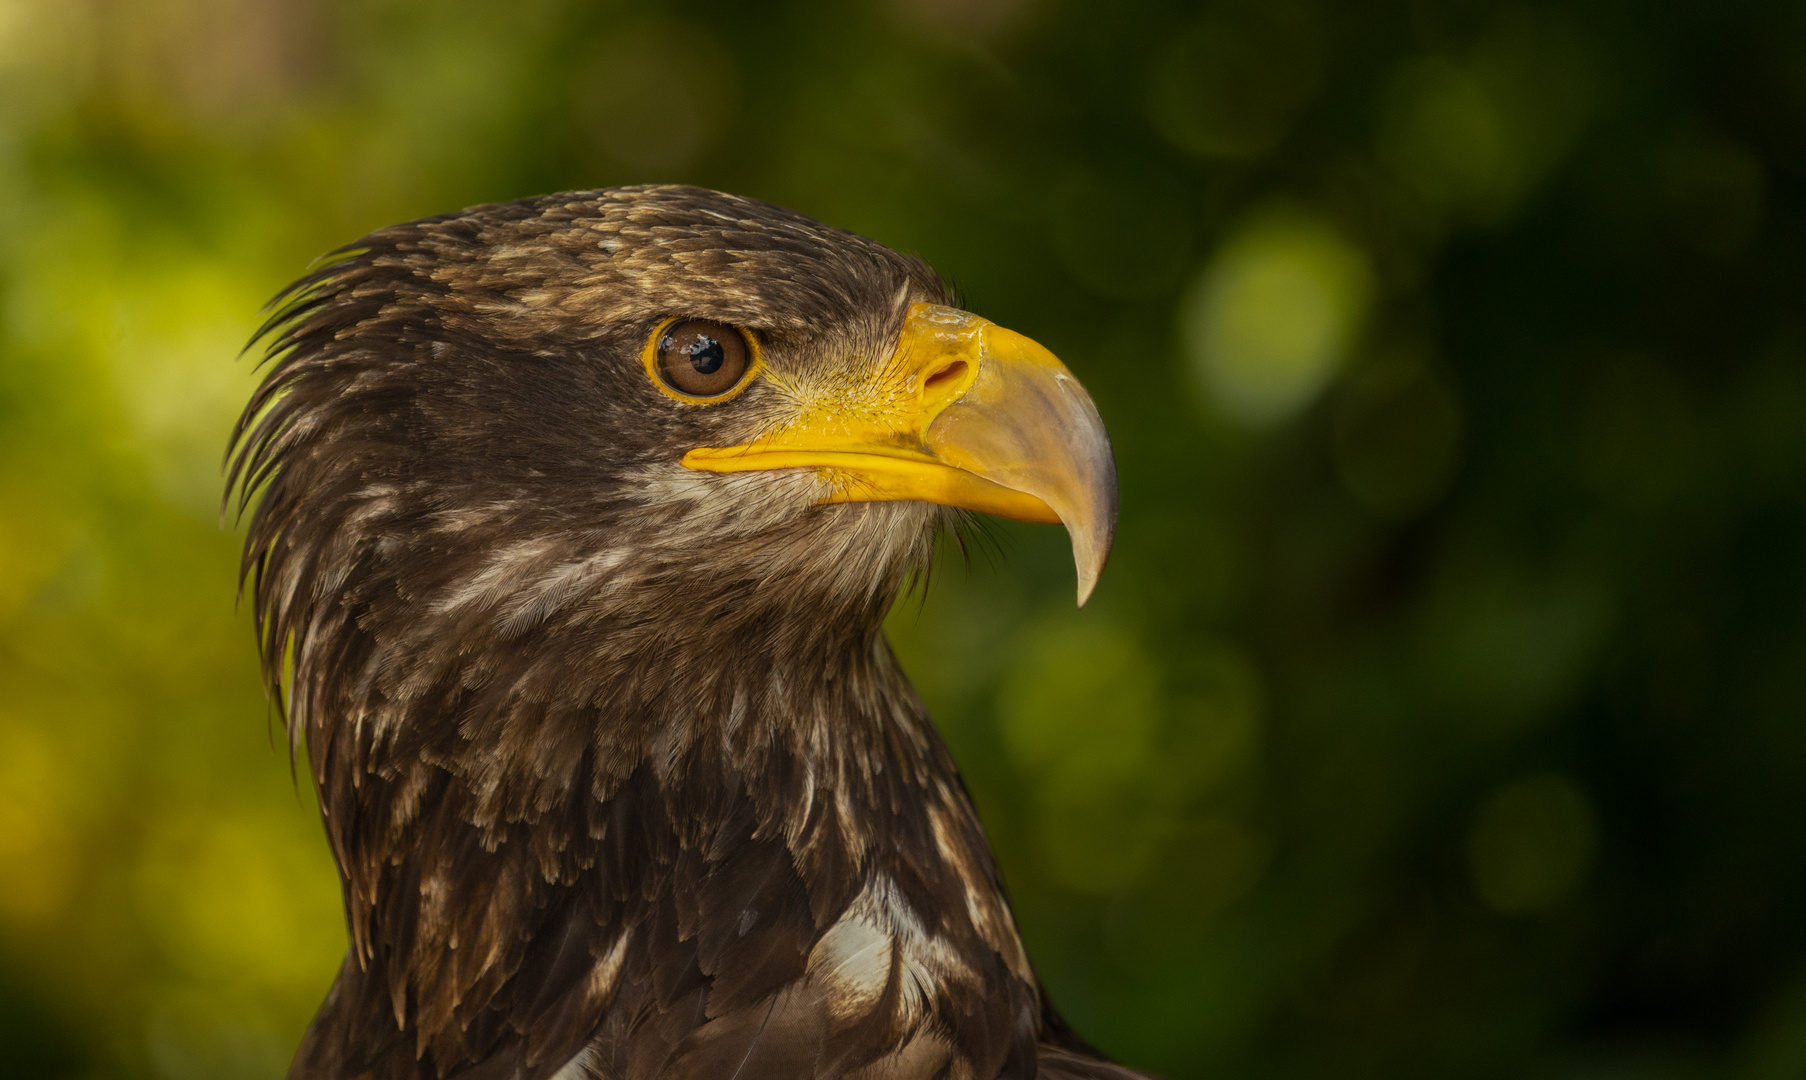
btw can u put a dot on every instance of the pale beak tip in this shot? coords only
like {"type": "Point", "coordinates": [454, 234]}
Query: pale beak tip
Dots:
{"type": "Point", "coordinates": [1090, 553]}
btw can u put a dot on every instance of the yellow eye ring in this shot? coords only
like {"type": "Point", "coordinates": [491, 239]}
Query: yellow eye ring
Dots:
{"type": "Point", "coordinates": [701, 361]}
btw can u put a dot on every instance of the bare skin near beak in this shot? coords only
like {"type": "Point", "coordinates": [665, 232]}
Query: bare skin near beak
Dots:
{"type": "Point", "coordinates": [974, 416]}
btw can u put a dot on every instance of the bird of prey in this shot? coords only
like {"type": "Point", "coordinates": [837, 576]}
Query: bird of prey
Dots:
{"type": "Point", "coordinates": [576, 522]}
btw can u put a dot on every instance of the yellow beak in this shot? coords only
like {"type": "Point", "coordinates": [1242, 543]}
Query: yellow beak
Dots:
{"type": "Point", "coordinates": [967, 414]}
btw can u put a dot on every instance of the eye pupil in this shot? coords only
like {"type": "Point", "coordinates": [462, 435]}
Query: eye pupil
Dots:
{"type": "Point", "coordinates": [697, 358]}
{"type": "Point", "coordinates": [707, 355]}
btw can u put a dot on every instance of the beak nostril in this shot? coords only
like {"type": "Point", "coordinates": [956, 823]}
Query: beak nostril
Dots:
{"type": "Point", "coordinates": [952, 373]}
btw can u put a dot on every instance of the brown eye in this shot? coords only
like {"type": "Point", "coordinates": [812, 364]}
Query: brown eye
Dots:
{"type": "Point", "coordinates": [702, 358]}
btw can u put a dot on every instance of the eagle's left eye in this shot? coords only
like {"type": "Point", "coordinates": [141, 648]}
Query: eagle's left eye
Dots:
{"type": "Point", "coordinates": [697, 359]}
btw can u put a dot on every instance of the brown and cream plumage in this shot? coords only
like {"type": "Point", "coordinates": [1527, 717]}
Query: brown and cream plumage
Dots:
{"type": "Point", "coordinates": [620, 774]}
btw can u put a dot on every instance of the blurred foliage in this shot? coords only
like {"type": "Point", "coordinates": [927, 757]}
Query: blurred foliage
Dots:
{"type": "Point", "coordinates": [1443, 711]}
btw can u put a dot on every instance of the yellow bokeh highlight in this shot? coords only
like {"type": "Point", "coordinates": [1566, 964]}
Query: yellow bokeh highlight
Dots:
{"type": "Point", "coordinates": [1470, 135]}
{"type": "Point", "coordinates": [1275, 314]}
{"type": "Point", "coordinates": [36, 843]}
{"type": "Point", "coordinates": [1120, 752]}
{"type": "Point", "coordinates": [1532, 844]}
{"type": "Point", "coordinates": [238, 899]}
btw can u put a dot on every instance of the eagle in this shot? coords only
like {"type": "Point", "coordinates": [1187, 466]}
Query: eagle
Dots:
{"type": "Point", "coordinates": [576, 522]}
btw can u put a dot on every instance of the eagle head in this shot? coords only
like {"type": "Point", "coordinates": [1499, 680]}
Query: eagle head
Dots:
{"type": "Point", "coordinates": [576, 521]}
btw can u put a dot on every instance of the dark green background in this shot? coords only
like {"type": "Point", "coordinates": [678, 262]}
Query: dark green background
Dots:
{"type": "Point", "coordinates": [1443, 710]}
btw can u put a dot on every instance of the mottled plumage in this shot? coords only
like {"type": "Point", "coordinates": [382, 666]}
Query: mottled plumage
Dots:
{"type": "Point", "coordinates": [620, 773]}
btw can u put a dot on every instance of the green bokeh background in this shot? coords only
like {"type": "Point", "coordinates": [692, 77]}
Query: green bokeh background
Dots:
{"type": "Point", "coordinates": [1443, 710]}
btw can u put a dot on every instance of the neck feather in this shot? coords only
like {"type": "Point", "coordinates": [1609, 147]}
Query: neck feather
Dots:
{"type": "Point", "coordinates": [729, 806]}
